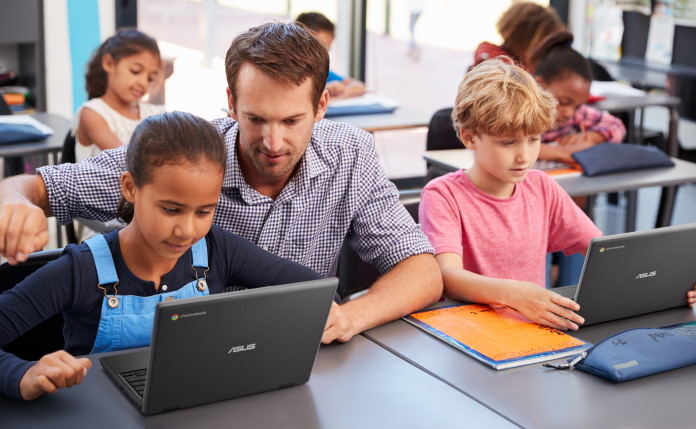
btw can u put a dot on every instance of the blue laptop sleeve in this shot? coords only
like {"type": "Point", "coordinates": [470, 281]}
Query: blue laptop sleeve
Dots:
{"type": "Point", "coordinates": [608, 158]}
{"type": "Point", "coordinates": [639, 352]}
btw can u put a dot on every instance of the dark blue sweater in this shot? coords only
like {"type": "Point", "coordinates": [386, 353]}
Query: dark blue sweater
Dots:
{"type": "Point", "coordinates": [69, 286]}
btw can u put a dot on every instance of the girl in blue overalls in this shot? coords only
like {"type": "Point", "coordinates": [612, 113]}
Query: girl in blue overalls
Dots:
{"type": "Point", "coordinates": [107, 287]}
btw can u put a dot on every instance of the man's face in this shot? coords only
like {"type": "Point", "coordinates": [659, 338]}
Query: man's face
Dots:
{"type": "Point", "coordinates": [275, 125]}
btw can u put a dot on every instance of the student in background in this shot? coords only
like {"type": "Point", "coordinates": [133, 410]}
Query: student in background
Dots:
{"type": "Point", "coordinates": [170, 189]}
{"type": "Point", "coordinates": [565, 73]}
{"type": "Point", "coordinates": [118, 76]}
{"type": "Point", "coordinates": [492, 225]}
{"type": "Point", "coordinates": [522, 26]}
{"type": "Point", "coordinates": [325, 30]}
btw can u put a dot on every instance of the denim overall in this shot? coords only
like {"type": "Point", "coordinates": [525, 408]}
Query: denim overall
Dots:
{"type": "Point", "coordinates": [126, 321]}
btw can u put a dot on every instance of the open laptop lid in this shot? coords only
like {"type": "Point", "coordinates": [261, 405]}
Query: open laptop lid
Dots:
{"type": "Point", "coordinates": [222, 346]}
{"type": "Point", "coordinates": [636, 273]}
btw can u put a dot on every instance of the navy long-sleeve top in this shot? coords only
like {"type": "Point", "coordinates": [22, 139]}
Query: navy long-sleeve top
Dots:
{"type": "Point", "coordinates": [69, 286]}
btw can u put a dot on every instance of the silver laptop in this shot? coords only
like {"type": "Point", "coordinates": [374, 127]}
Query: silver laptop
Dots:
{"type": "Point", "coordinates": [222, 346]}
{"type": "Point", "coordinates": [635, 273]}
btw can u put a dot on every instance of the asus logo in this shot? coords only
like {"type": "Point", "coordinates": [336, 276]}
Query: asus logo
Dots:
{"type": "Point", "coordinates": [645, 275]}
{"type": "Point", "coordinates": [237, 349]}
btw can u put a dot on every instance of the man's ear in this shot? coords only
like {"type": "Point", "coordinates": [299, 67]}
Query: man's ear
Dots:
{"type": "Point", "coordinates": [467, 137]}
{"type": "Point", "coordinates": [323, 104]}
{"type": "Point", "coordinates": [230, 105]}
{"type": "Point", "coordinates": [128, 187]}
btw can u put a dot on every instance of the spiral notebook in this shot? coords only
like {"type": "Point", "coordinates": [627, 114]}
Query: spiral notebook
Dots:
{"type": "Point", "coordinates": [496, 335]}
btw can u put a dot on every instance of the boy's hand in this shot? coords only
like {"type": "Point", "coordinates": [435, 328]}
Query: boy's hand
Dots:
{"type": "Point", "coordinates": [23, 230]}
{"type": "Point", "coordinates": [54, 371]}
{"type": "Point", "coordinates": [545, 307]}
{"type": "Point", "coordinates": [691, 297]}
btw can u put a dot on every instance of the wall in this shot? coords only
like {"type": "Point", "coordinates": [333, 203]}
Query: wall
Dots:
{"type": "Point", "coordinates": [68, 46]}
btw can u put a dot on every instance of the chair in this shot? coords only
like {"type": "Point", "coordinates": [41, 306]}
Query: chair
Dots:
{"type": "Point", "coordinates": [354, 274]}
{"type": "Point", "coordinates": [46, 337]}
{"type": "Point", "coordinates": [68, 155]}
{"type": "Point", "coordinates": [440, 136]}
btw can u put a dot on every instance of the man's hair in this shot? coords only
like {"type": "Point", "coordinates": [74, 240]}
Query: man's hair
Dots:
{"type": "Point", "coordinates": [286, 52]}
{"type": "Point", "coordinates": [499, 98]}
{"type": "Point", "coordinates": [315, 21]}
{"type": "Point", "coordinates": [170, 138]}
{"type": "Point", "coordinates": [524, 25]}
{"type": "Point", "coordinates": [555, 59]}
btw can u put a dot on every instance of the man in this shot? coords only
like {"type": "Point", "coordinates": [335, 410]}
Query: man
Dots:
{"type": "Point", "coordinates": [295, 185]}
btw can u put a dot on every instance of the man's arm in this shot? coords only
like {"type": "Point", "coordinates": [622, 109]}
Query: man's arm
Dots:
{"type": "Point", "coordinates": [23, 211]}
{"type": "Point", "coordinates": [410, 285]}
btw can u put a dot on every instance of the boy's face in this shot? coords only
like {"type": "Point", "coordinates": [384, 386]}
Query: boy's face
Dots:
{"type": "Point", "coordinates": [501, 162]}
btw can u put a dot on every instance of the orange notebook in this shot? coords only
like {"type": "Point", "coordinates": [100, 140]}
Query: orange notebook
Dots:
{"type": "Point", "coordinates": [496, 335]}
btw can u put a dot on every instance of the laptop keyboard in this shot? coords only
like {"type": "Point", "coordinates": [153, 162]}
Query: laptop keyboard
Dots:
{"type": "Point", "coordinates": [136, 379]}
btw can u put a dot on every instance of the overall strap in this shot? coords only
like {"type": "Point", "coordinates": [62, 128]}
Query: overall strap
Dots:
{"type": "Point", "coordinates": [106, 271]}
{"type": "Point", "coordinates": [200, 254]}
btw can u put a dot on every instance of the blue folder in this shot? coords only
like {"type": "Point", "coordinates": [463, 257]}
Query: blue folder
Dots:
{"type": "Point", "coordinates": [364, 109]}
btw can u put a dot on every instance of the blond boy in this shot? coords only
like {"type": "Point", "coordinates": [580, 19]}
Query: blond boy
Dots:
{"type": "Point", "coordinates": [493, 224]}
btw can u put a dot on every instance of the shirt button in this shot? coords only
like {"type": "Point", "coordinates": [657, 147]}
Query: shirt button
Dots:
{"type": "Point", "coordinates": [164, 287]}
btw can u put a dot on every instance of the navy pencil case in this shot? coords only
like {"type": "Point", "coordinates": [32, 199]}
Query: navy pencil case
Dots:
{"type": "Point", "coordinates": [608, 158]}
{"type": "Point", "coordinates": [638, 352]}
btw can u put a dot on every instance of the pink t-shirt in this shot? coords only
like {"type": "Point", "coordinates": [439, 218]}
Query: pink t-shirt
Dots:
{"type": "Point", "coordinates": [504, 238]}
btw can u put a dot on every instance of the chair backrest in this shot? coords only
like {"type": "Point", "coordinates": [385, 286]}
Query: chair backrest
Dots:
{"type": "Point", "coordinates": [68, 151]}
{"type": "Point", "coordinates": [354, 274]}
{"type": "Point", "coordinates": [46, 337]}
{"type": "Point", "coordinates": [441, 135]}
{"type": "Point", "coordinates": [4, 108]}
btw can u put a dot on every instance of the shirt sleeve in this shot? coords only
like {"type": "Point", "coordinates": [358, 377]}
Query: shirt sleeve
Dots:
{"type": "Point", "coordinates": [601, 122]}
{"type": "Point", "coordinates": [38, 297]}
{"type": "Point", "coordinates": [441, 219]}
{"type": "Point", "coordinates": [382, 232]}
{"type": "Point", "coordinates": [570, 229]}
{"type": "Point", "coordinates": [90, 189]}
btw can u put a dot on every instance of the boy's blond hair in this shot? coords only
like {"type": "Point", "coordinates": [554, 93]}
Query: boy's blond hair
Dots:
{"type": "Point", "coordinates": [499, 98]}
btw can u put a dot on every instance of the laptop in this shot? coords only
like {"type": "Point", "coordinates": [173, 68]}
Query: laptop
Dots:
{"type": "Point", "coordinates": [635, 273]}
{"type": "Point", "coordinates": [222, 346]}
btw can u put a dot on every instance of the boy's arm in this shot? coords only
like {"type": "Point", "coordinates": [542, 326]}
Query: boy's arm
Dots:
{"type": "Point", "coordinates": [23, 211]}
{"type": "Point", "coordinates": [534, 302]}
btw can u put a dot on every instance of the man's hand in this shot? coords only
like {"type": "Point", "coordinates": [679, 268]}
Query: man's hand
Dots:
{"type": "Point", "coordinates": [57, 370]}
{"type": "Point", "coordinates": [545, 307]}
{"type": "Point", "coordinates": [691, 297]}
{"type": "Point", "coordinates": [23, 211]}
{"type": "Point", "coordinates": [338, 326]}
{"type": "Point", "coordinates": [23, 230]}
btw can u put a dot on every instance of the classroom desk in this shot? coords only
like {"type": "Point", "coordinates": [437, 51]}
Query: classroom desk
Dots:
{"type": "Point", "coordinates": [356, 384]}
{"type": "Point", "coordinates": [645, 74]}
{"type": "Point", "coordinates": [683, 172]}
{"type": "Point", "coordinates": [52, 145]}
{"type": "Point", "coordinates": [631, 104]}
{"type": "Point", "coordinates": [403, 117]}
{"type": "Point", "coordinates": [537, 397]}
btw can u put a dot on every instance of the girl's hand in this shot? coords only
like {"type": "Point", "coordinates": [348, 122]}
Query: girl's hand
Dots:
{"type": "Point", "coordinates": [54, 371]}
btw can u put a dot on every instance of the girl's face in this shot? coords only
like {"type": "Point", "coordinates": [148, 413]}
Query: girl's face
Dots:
{"type": "Point", "coordinates": [129, 78]}
{"type": "Point", "coordinates": [571, 91]}
{"type": "Point", "coordinates": [175, 209]}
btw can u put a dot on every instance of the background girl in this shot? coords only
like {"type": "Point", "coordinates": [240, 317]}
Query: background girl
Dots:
{"type": "Point", "coordinates": [567, 75]}
{"type": "Point", "coordinates": [174, 171]}
{"type": "Point", "coordinates": [118, 76]}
